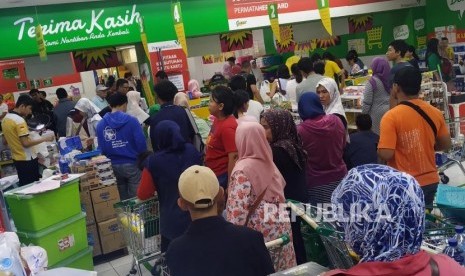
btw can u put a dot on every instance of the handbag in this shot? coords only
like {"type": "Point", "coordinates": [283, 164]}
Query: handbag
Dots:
{"type": "Point", "coordinates": [424, 115]}
{"type": "Point", "coordinates": [254, 206]}
{"type": "Point", "coordinates": [197, 139]}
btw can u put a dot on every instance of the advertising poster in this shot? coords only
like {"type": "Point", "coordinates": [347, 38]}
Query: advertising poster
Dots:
{"type": "Point", "coordinates": [170, 57]}
{"type": "Point", "coordinates": [13, 75]}
{"type": "Point", "coordinates": [246, 14]}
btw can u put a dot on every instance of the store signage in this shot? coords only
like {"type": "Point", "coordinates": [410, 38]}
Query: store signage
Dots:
{"type": "Point", "coordinates": [179, 25]}
{"type": "Point", "coordinates": [419, 24]}
{"type": "Point", "coordinates": [41, 43]}
{"type": "Point", "coordinates": [13, 75]}
{"type": "Point", "coordinates": [246, 14]}
{"type": "Point", "coordinates": [170, 57]}
{"type": "Point", "coordinates": [70, 30]}
{"type": "Point", "coordinates": [457, 5]}
{"type": "Point", "coordinates": [274, 21]}
{"type": "Point", "coordinates": [401, 32]}
{"type": "Point", "coordinates": [323, 8]}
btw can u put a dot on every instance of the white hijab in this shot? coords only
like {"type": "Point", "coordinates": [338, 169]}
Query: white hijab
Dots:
{"type": "Point", "coordinates": [335, 105]}
{"type": "Point", "coordinates": [91, 111]}
{"type": "Point", "coordinates": [134, 107]}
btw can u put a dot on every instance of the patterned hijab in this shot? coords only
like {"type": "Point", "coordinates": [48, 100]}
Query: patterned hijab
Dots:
{"type": "Point", "coordinates": [285, 134]}
{"type": "Point", "coordinates": [389, 194]}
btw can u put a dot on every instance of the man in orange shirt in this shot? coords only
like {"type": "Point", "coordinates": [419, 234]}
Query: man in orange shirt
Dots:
{"type": "Point", "coordinates": [408, 139]}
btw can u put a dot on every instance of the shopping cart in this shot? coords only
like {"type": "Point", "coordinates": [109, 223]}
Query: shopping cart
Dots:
{"type": "Point", "coordinates": [337, 250]}
{"type": "Point", "coordinates": [374, 37]}
{"type": "Point", "coordinates": [456, 154]}
{"type": "Point", "coordinates": [140, 225]}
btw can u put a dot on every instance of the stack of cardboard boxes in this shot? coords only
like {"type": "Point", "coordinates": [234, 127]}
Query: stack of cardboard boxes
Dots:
{"type": "Point", "coordinates": [98, 192]}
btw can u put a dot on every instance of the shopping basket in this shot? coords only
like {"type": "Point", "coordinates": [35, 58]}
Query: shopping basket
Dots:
{"type": "Point", "coordinates": [336, 249]}
{"type": "Point", "coordinates": [140, 225]}
{"type": "Point", "coordinates": [436, 233]}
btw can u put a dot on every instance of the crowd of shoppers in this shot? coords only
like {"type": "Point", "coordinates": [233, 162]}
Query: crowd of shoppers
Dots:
{"type": "Point", "coordinates": [214, 219]}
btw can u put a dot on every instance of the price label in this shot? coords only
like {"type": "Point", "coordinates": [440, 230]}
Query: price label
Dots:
{"type": "Point", "coordinates": [274, 22]}
{"type": "Point", "coordinates": [179, 25]}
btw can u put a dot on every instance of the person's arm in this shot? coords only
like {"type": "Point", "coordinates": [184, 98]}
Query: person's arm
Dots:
{"type": "Point", "coordinates": [342, 78]}
{"type": "Point", "coordinates": [146, 187]}
{"type": "Point", "coordinates": [367, 98]}
{"type": "Point", "coordinates": [239, 198]}
{"type": "Point", "coordinates": [232, 157]}
{"type": "Point", "coordinates": [139, 138]}
{"type": "Point", "coordinates": [274, 87]}
{"type": "Point", "coordinates": [443, 141]}
{"type": "Point", "coordinates": [3, 115]}
{"type": "Point", "coordinates": [27, 142]}
{"type": "Point", "coordinates": [252, 82]}
{"type": "Point", "coordinates": [388, 138]}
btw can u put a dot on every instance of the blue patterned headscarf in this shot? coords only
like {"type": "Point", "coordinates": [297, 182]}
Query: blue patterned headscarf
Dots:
{"type": "Point", "coordinates": [401, 199]}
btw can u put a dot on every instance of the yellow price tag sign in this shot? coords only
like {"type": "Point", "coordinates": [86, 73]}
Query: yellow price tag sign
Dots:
{"type": "Point", "coordinates": [323, 8]}
{"type": "Point", "coordinates": [179, 25]}
{"type": "Point", "coordinates": [41, 43]}
{"type": "Point", "coordinates": [274, 21]}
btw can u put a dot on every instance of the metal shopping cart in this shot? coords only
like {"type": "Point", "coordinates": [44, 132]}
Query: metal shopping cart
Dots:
{"type": "Point", "coordinates": [140, 224]}
{"type": "Point", "coordinates": [374, 37]}
{"type": "Point", "coordinates": [456, 155]}
{"type": "Point", "coordinates": [337, 250]}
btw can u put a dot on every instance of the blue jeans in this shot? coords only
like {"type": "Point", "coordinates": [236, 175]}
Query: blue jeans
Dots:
{"type": "Point", "coordinates": [127, 179]}
{"type": "Point", "coordinates": [223, 180]}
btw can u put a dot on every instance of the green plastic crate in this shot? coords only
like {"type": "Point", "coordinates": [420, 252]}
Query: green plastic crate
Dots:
{"type": "Point", "coordinates": [61, 240]}
{"type": "Point", "coordinates": [81, 260]}
{"type": "Point", "coordinates": [32, 213]}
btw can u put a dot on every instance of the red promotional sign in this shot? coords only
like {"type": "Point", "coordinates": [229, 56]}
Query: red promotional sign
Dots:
{"type": "Point", "coordinates": [13, 76]}
{"type": "Point", "coordinates": [170, 57]}
{"type": "Point", "coordinates": [245, 14]}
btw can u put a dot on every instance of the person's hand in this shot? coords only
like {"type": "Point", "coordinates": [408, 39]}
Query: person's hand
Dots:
{"type": "Point", "coordinates": [89, 141]}
{"type": "Point", "coordinates": [49, 138]}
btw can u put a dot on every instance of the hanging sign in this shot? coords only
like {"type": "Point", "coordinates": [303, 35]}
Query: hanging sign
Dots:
{"type": "Point", "coordinates": [274, 22]}
{"type": "Point", "coordinates": [179, 25]}
{"type": "Point", "coordinates": [145, 77]}
{"type": "Point", "coordinates": [41, 43]}
{"type": "Point", "coordinates": [323, 8]}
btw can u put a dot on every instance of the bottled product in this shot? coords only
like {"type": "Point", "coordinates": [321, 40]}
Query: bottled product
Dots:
{"type": "Point", "coordinates": [453, 251]}
{"type": "Point", "coordinates": [460, 237]}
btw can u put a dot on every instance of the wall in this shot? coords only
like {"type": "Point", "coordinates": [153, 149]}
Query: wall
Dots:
{"type": "Point", "coordinates": [57, 64]}
{"type": "Point", "coordinates": [444, 13]}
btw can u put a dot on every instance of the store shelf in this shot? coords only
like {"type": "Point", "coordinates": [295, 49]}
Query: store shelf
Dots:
{"type": "Point", "coordinates": [350, 97]}
{"type": "Point", "coordinates": [353, 110]}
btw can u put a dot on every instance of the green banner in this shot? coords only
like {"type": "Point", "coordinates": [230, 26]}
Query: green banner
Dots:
{"type": "Point", "coordinates": [76, 26]}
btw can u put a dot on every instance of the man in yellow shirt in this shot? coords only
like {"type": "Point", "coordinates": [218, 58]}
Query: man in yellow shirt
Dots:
{"type": "Point", "coordinates": [445, 50]}
{"type": "Point", "coordinates": [332, 70]}
{"type": "Point", "coordinates": [16, 133]}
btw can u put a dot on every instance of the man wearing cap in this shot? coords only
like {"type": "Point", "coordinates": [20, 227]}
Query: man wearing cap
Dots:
{"type": "Point", "coordinates": [99, 100]}
{"type": "Point", "coordinates": [211, 245]}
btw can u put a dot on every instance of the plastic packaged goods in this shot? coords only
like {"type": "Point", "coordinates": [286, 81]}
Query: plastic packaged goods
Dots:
{"type": "Point", "coordinates": [460, 237]}
{"type": "Point", "coordinates": [453, 251]}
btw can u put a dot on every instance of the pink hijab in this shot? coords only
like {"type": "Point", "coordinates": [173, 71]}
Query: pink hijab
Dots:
{"type": "Point", "coordinates": [194, 87]}
{"type": "Point", "coordinates": [256, 161]}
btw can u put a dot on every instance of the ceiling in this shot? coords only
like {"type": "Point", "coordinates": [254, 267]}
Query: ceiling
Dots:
{"type": "Point", "coordinates": [4, 4]}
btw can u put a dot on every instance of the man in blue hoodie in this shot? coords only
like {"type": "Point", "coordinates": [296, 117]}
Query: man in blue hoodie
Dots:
{"type": "Point", "coordinates": [121, 139]}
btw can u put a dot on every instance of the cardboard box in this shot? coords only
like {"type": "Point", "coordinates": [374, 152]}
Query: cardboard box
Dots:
{"type": "Point", "coordinates": [86, 206]}
{"type": "Point", "coordinates": [93, 239]}
{"type": "Point", "coordinates": [103, 200]}
{"type": "Point", "coordinates": [111, 237]}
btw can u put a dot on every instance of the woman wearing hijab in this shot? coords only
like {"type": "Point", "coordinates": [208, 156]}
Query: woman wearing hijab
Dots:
{"type": "Point", "coordinates": [88, 112]}
{"type": "Point", "coordinates": [324, 138]}
{"type": "Point", "coordinates": [331, 99]}
{"type": "Point", "coordinates": [161, 174]}
{"type": "Point", "coordinates": [377, 92]}
{"type": "Point", "coordinates": [134, 108]}
{"type": "Point", "coordinates": [387, 246]}
{"type": "Point", "coordinates": [290, 159]}
{"type": "Point", "coordinates": [194, 87]}
{"type": "Point", "coordinates": [182, 100]}
{"type": "Point", "coordinates": [257, 182]}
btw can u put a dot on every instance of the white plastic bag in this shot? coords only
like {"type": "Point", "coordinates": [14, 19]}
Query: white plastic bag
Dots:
{"type": "Point", "coordinates": [265, 91]}
{"type": "Point", "coordinates": [9, 254]}
{"type": "Point", "coordinates": [36, 258]}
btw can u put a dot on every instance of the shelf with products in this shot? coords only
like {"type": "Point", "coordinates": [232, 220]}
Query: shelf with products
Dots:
{"type": "Point", "coordinates": [352, 102]}
{"type": "Point", "coordinates": [435, 92]}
